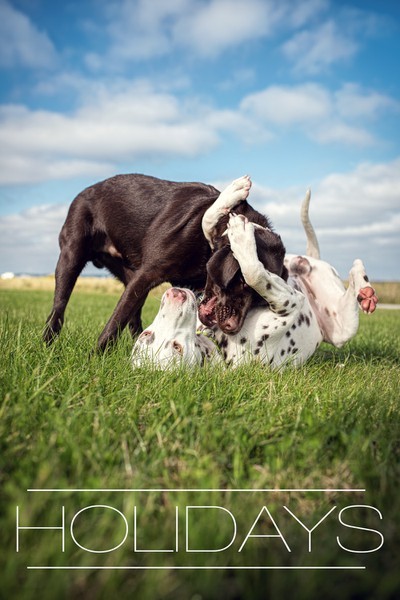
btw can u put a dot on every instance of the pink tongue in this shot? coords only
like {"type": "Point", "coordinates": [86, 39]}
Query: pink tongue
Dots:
{"type": "Point", "coordinates": [206, 312]}
{"type": "Point", "coordinates": [208, 308]}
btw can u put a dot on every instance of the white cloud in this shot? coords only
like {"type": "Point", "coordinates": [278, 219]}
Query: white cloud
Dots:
{"type": "Point", "coordinates": [18, 169]}
{"type": "Point", "coordinates": [303, 13]}
{"type": "Point", "coordinates": [149, 29]}
{"type": "Point", "coordinates": [139, 30]}
{"type": "Point", "coordinates": [29, 240]}
{"type": "Point", "coordinates": [312, 51]}
{"type": "Point", "coordinates": [21, 42]}
{"type": "Point", "coordinates": [286, 105]}
{"type": "Point", "coordinates": [355, 215]}
{"type": "Point", "coordinates": [353, 102]}
{"type": "Point", "coordinates": [115, 126]}
{"type": "Point", "coordinates": [323, 115]}
{"type": "Point", "coordinates": [123, 121]}
{"type": "Point", "coordinates": [341, 133]}
{"type": "Point", "coordinates": [221, 24]}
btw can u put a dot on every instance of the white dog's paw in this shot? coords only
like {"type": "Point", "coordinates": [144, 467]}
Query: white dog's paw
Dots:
{"type": "Point", "coordinates": [240, 232]}
{"type": "Point", "coordinates": [366, 296]}
{"type": "Point", "coordinates": [236, 192]}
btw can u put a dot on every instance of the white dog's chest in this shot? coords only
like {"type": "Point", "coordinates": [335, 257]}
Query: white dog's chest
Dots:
{"type": "Point", "coordinates": [273, 339]}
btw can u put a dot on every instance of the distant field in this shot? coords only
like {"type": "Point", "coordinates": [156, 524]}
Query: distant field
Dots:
{"type": "Point", "coordinates": [75, 420]}
{"type": "Point", "coordinates": [388, 291]}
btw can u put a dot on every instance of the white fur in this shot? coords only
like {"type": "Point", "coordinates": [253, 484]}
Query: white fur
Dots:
{"type": "Point", "coordinates": [311, 307]}
{"type": "Point", "coordinates": [171, 339]}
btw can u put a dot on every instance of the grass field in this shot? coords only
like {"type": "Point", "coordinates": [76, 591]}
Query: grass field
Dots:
{"type": "Point", "coordinates": [71, 420]}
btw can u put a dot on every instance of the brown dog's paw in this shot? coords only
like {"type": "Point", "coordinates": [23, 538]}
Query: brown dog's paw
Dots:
{"type": "Point", "coordinates": [367, 299]}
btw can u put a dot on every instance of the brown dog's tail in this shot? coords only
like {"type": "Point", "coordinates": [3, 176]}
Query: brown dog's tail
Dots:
{"type": "Point", "coordinates": [312, 242]}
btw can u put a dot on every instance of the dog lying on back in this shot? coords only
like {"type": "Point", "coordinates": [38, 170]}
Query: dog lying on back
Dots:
{"type": "Point", "coordinates": [287, 325]}
{"type": "Point", "coordinates": [171, 340]}
{"type": "Point", "coordinates": [146, 231]}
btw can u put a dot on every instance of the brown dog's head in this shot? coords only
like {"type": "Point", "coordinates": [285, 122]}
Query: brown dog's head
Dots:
{"type": "Point", "coordinates": [227, 297]}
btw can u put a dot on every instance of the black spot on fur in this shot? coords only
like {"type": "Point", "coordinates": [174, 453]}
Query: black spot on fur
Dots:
{"type": "Point", "coordinates": [282, 352]}
{"type": "Point", "coordinates": [265, 337]}
{"type": "Point", "coordinates": [294, 326]}
{"type": "Point", "coordinates": [243, 340]}
{"type": "Point", "coordinates": [260, 343]}
{"type": "Point", "coordinates": [307, 321]}
{"type": "Point", "coordinates": [286, 303]}
{"type": "Point", "coordinates": [224, 342]}
{"type": "Point", "coordinates": [366, 278]}
{"type": "Point", "coordinates": [292, 343]}
{"type": "Point", "coordinates": [257, 351]}
{"type": "Point", "coordinates": [288, 334]}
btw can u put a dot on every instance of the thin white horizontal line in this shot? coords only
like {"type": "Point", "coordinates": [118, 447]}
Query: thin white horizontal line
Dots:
{"type": "Point", "coordinates": [166, 490]}
{"type": "Point", "coordinates": [190, 567]}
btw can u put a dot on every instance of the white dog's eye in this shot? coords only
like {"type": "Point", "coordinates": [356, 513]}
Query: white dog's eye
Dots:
{"type": "Point", "coordinates": [177, 347]}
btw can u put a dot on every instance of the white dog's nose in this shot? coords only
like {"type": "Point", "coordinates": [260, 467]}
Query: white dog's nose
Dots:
{"type": "Point", "coordinates": [176, 295]}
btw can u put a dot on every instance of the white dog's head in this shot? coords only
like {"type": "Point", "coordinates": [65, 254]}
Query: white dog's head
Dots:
{"type": "Point", "coordinates": [171, 339]}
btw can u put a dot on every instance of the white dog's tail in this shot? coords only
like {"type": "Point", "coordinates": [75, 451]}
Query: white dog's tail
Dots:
{"type": "Point", "coordinates": [312, 242]}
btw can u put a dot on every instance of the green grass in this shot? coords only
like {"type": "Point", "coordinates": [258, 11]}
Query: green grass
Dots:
{"type": "Point", "coordinates": [74, 420]}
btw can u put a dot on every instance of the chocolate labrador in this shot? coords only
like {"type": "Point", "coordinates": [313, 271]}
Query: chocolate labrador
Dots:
{"type": "Point", "coordinates": [146, 231]}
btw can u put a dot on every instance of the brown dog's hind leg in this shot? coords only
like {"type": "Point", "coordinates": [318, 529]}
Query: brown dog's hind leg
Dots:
{"type": "Point", "coordinates": [70, 264]}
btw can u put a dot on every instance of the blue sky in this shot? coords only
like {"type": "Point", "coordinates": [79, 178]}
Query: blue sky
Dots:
{"type": "Point", "coordinates": [296, 93]}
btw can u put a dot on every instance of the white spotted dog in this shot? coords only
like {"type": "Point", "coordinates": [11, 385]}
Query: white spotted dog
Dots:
{"type": "Point", "coordinates": [171, 340]}
{"type": "Point", "coordinates": [311, 307]}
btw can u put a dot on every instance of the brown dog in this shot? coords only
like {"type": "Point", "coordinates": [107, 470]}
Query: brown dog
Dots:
{"type": "Point", "coordinates": [145, 231]}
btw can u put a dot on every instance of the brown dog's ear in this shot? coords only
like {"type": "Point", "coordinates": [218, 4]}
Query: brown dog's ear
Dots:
{"type": "Point", "coordinates": [271, 252]}
{"type": "Point", "coordinates": [285, 273]}
{"type": "Point", "coordinates": [222, 267]}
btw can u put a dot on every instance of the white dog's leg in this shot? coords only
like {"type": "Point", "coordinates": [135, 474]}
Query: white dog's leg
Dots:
{"type": "Point", "coordinates": [282, 298]}
{"type": "Point", "coordinates": [230, 197]}
{"type": "Point", "coordinates": [359, 294]}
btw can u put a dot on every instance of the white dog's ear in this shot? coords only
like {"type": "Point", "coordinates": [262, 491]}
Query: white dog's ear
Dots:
{"type": "Point", "coordinates": [147, 337]}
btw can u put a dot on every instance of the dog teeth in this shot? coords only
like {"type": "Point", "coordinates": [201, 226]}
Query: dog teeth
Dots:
{"type": "Point", "coordinates": [199, 298]}
{"type": "Point", "coordinates": [225, 312]}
